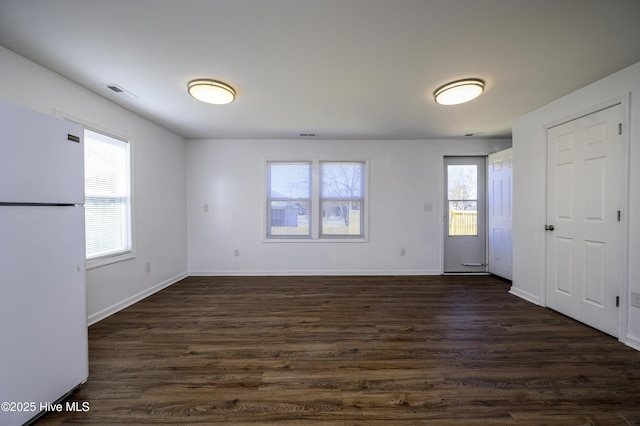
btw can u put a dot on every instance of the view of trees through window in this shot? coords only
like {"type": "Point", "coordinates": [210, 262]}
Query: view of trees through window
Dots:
{"type": "Point", "coordinates": [462, 193]}
{"type": "Point", "coordinates": [338, 194]}
{"type": "Point", "coordinates": [289, 194]}
{"type": "Point", "coordinates": [341, 194]}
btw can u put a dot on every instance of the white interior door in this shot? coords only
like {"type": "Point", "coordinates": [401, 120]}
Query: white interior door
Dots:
{"type": "Point", "coordinates": [583, 223]}
{"type": "Point", "coordinates": [465, 221]}
{"type": "Point", "coordinates": [499, 193]}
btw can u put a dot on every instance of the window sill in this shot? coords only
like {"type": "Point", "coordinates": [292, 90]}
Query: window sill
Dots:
{"type": "Point", "coordinates": [317, 240]}
{"type": "Point", "coordinates": [108, 260]}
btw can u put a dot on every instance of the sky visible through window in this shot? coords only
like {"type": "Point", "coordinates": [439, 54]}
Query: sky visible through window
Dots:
{"type": "Point", "coordinates": [290, 180]}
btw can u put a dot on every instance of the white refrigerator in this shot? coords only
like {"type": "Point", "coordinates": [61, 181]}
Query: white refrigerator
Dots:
{"type": "Point", "coordinates": [43, 319]}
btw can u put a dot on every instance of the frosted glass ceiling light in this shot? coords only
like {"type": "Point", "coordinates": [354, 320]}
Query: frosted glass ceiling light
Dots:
{"type": "Point", "coordinates": [211, 91]}
{"type": "Point", "coordinates": [459, 92]}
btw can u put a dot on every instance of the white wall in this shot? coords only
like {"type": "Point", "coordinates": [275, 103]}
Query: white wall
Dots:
{"type": "Point", "coordinates": [229, 176]}
{"type": "Point", "coordinates": [159, 177]}
{"type": "Point", "coordinates": [529, 150]}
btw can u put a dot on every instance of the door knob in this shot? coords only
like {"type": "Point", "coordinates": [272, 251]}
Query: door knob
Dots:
{"type": "Point", "coordinates": [549, 227]}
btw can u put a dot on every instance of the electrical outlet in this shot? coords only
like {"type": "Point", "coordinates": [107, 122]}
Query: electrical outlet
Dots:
{"type": "Point", "coordinates": [147, 267]}
{"type": "Point", "coordinates": [403, 252]}
{"type": "Point", "coordinates": [236, 252]}
{"type": "Point", "coordinates": [635, 299]}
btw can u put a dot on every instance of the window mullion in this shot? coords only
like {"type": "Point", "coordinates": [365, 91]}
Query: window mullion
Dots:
{"type": "Point", "coordinates": [316, 206]}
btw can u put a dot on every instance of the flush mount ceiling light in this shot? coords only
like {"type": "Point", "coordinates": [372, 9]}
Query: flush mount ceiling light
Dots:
{"type": "Point", "coordinates": [211, 91]}
{"type": "Point", "coordinates": [459, 92]}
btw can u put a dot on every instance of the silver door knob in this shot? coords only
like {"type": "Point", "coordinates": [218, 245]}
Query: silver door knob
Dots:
{"type": "Point", "coordinates": [549, 227]}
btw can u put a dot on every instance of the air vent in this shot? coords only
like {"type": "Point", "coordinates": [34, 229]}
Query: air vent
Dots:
{"type": "Point", "coordinates": [116, 88]}
{"type": "Point", "coordinates": [120, 91]}
{"type": "Point", "coordinates": [308, 135]}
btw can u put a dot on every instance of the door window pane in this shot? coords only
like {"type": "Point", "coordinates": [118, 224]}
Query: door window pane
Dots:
{"type": "Point", "coordinates": [462, 190]}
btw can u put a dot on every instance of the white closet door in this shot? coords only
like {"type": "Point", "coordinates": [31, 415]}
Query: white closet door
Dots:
{"type": "Point", "coordinates": [499, 192]}
{"type": "Point", "coordinates": [584, 231]}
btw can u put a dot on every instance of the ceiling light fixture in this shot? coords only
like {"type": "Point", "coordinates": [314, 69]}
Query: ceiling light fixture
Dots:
{"type": "Point", "coordinates": [211, 91]}
{"type": "Point", "coordinates": [459, 92]}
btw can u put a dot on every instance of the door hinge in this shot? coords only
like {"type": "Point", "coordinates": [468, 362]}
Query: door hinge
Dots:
{"type": "Point", "coordinates": [619, 215]}
{"type": "Point", "coordinates": [619, 128]}
{"type": "Point", "coordinates": [617, 301]}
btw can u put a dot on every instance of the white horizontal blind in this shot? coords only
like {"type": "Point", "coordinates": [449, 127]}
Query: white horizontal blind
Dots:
{"type": "Point", "coordinates": [107, 196]}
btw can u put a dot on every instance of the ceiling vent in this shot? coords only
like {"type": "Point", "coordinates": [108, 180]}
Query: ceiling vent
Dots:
{"type": "Point", "coordinates": [120, 91]}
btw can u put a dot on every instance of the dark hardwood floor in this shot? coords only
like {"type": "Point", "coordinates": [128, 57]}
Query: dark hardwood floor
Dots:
{"type": "Point", "coordinates": [455, 350]}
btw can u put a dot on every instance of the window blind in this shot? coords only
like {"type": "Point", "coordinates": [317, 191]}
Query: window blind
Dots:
{"type": "Point", "coordinates": [107, 196]}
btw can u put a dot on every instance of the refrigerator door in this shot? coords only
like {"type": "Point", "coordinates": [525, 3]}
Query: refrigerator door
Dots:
{"type": "Point", "coordinates": [43, 320]}
{"type": "Point", "coordinates": [41, 158]}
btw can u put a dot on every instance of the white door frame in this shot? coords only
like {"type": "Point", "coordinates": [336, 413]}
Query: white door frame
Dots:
{"type": "Point", "coordinates": [624, 101]}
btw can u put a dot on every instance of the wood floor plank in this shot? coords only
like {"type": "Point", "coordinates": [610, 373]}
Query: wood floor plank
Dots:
{"type": "Point", "coordinates": [352, 351]}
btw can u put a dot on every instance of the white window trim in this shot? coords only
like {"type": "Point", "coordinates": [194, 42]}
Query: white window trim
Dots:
{"type": "Point", "coordinates": [315, 202]}
{"type": "Point", "coordinates": [105, 130]}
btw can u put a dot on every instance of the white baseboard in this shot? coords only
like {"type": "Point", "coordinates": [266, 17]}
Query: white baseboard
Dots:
{"type": "Point", "coordinates": [632, 341]}
{"type": "Point", "coordinates": [110, 310]}
{"type": "Point", "coordinates": [368, 272]}
{"type": "Point", "coordinates": [525, 295]}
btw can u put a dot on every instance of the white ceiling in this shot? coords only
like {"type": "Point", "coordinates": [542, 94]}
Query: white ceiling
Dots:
{"type": "Point", "coordinates": [342, 69]}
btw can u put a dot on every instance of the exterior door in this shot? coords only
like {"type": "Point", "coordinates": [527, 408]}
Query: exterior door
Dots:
{"type": "Point", "coordinates": [465, 232]}
{"type": "Point", "coordinates": [499, 192]}
{"type": "Point", "coordinates": [583, 222]}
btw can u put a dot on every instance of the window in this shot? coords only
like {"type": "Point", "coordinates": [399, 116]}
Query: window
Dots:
{"type": "Point", "coordinates": [315, 199]}
{"type": "Point", "coordinates": [341, 199]}
{"type": "Point", "coordinates": [462, 191]}
{"type": "Point", "coordinates": [107, 196]}
{"type": "Point", "coordinates": [289, 199]}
